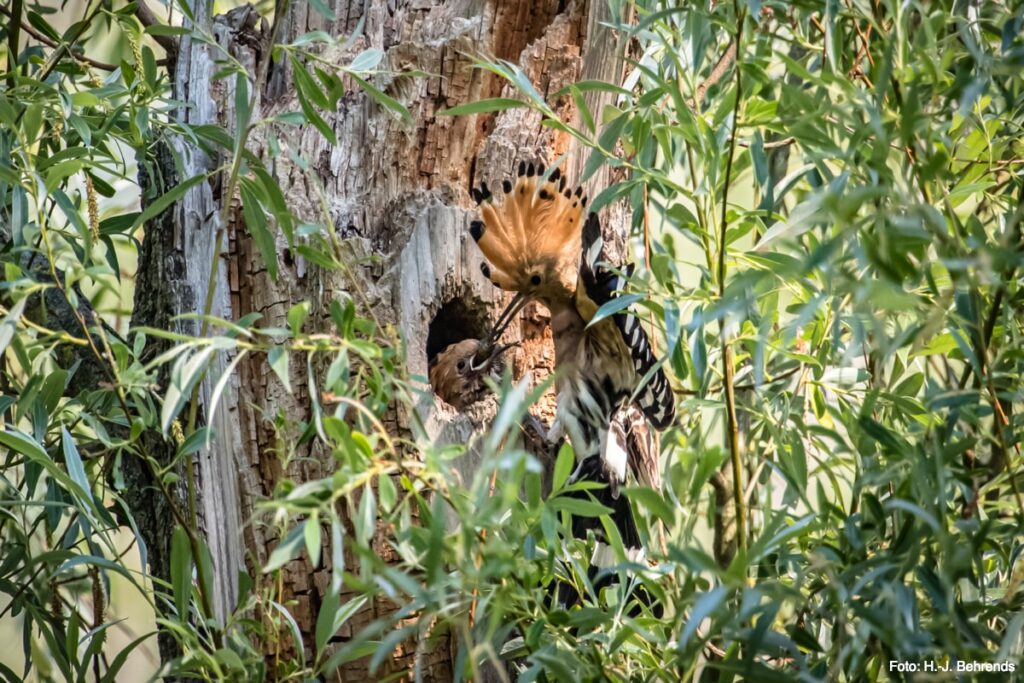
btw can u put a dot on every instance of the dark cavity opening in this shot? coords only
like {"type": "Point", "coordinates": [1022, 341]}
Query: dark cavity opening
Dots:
{"type": "Point", "coordinates": [458, 319]}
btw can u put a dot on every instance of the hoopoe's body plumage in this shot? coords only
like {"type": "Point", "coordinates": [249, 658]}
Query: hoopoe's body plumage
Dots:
{"type": "Point", "coordinates": [537, 242]}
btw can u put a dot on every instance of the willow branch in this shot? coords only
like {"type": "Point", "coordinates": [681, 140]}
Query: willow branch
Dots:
{"type": "Point", "coordinates": [42, 38]}
{"type": "Point", "coordinates": [148, 18]}
{"type": "Point", "coordinates": [721, 68]}
{"type": "Point", "coordinates": [728, 370]}
{"type": "Point", "coordinates": [13, 39]}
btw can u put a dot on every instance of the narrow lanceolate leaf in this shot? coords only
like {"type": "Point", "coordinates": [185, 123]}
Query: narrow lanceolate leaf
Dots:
{"type": "Point", "coordinates": [383, 99]}
{"type": "Point", "coordinates": [114, 668]}
{"type": "Point", "coordinates": [186, 372]}
{"type": "Point", "coordinates": [366, 520]}
{"type": "Point", "coordinates": [181, 571]}
{"type": "Point", "coordinates": [592, 86]}
{"type": "Point", "coordinates": [25, 445]}
{"type": "Point", "coordinates": [311, 96]}
{"type": "Point", "coordinates": [275, 202]}
{"type": "Point", "coordinates": [337, 553]}
{"type": "Point", "coordinates": [367, 60]}
{"type": "Point", "coordinates": [242, 110]}
{"type": "Point", "coordinates": [297, 315]}
{"type": "Point", "coordinates": [256, 224]}
{"type": "Point", "coordinates": [704, 608]}
{"type": "Point", "coordinates": [73, 461]}
{"type": "Point", "coordinates": [287, 550]}
{"type": "Point", "coordinates": [174, 194]}
{"type": "Point", "coordinates": [277, 358]}
{"type": "Point", "coordinates": [651, 501]}
{"type": "Point", "coordinates": [579, 506]}
{"type": "Point", "coordinates": [563, 466]}
{"type": "Point", "coordinates": [613, 306]}
{"type": "Point", "coordinates": [333, 616]}
{"type": "Point", "coordinates": [293, 629]}
{"type": "Point", "coordinates": [218, 391]}
{"type": "Point", "coordinates": [9, 324]}
{"type": "Point", "coordinates": [307, 86]}
{"type": "Point", "coordinates": [22, 444]}
{"type": "Point", "coordinates": [606, 143]}
{"type": "Point", "coordinates": [483, 107]}
{"type": "Point", "coordinates": [311, 535]}
{"type": "Point", "coordinates": [167, 30]}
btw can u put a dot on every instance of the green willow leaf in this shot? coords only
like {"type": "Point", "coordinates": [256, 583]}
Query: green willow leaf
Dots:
{"type": "Point", "coordinates": [181, 571]}
{"type": "Point", "coordinates": [156, 207]}
{"type": "Point", "coordinates": [483, 107]}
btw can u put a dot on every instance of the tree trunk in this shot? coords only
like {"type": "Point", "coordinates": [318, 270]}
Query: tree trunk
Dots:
{"type": "Point", "coordinates": [396, 192]}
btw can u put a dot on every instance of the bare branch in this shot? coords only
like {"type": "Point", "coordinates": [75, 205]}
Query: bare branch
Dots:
{"type": "Point", "coordinates": [147, 18]}
{"type": "Point", "coordinates": [724, 62]}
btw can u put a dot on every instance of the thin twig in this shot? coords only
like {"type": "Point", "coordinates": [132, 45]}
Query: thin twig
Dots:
{"type": "Point", "coordinates": [997, 301]}
{"type": "Point", "coordinates": [50, 43]}
{"type": "Point", "coordinates": [727, 356]}
{"type": "Point", "coordinates": [54, 59]}
{"type": "Point", "coordinates": [997, 406]}
{"type": "Point", "coordinates": [724, 62]}
{"type": "Point", "coordinates": [771, 144]}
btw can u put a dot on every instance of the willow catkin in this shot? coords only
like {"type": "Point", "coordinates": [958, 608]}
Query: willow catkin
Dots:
{"type": "Point", "coordinates": [56, 606]}
{"type": "Point", "coordinates": [99, 598]}
{"type": "Point", "coordinates": [94, 207]}
{"type": "Point", "coordinates": [136, 51]}
{"type": "Point", "coordinates": [177, 432]}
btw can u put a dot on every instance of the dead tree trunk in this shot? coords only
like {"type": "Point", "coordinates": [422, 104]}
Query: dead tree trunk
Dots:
{"type": "Point", "coordinates": [395, 191]}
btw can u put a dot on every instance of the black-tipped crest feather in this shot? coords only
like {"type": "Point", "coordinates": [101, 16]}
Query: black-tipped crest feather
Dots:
{"type": "Point", "coordinates": [530, 231]}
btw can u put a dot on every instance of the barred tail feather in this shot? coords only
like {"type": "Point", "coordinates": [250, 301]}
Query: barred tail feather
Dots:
{"type": "Point", "coordinates": [595, 469]}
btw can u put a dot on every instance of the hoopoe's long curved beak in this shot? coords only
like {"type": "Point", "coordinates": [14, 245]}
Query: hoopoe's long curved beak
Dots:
{"type": "Point", "coordinates": [507, 315]}
{"type": "Point", "coordinates": [490, 350]}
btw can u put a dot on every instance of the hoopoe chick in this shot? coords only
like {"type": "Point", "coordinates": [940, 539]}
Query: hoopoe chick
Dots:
{"type": "Point", "coordinates": [538, 243]}
{"type": "Point", "coordinates": [458, 373]}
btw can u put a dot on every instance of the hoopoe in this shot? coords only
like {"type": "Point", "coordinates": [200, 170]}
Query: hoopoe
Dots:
{"type": "Point", "coordinates": [538, 243]}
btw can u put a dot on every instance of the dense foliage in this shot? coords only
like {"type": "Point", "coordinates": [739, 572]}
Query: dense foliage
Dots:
{"type": "Point", "coordinates": [827, 204]}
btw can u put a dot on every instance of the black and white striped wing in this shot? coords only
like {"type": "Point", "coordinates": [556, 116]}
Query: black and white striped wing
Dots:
{"type": "Point", "coordinates": [655, 397]}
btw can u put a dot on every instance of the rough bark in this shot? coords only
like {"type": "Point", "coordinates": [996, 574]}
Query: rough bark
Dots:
{"type": "Point", "coordinates": [396, 192]}
{"type": "Point", "coordinates": [174, 266]}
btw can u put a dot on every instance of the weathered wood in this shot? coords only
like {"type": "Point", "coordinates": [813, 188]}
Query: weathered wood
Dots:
{"type": "Point", "coordinates": [174, 268]}
{"type": "Point", "coordinates": [395, 191]}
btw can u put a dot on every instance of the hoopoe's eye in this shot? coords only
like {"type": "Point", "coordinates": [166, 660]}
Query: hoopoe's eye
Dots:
{"type": "Point", "coordinates": [461, 365]}
{"type": "Point", "coordinates": [535, 279]}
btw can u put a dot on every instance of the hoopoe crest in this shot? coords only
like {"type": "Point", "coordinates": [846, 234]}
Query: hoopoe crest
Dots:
{"type": "Point", "coordinates": [531, 234]}
{"type": "Point", "coordinates": [538, 242]}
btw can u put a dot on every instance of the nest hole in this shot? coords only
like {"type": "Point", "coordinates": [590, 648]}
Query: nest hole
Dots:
{"type": "Point", "coordinates": [458, 319]}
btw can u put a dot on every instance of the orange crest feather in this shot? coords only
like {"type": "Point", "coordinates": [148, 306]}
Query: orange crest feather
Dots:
{"type": "Point", "coordinates": [531, 233]}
